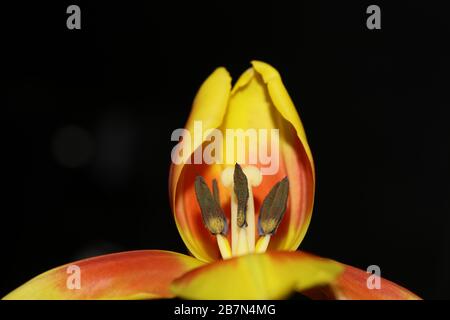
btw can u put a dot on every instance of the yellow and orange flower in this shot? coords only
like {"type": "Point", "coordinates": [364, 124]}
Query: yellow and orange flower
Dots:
{"type": "Point", "coordinates": [243, 242]}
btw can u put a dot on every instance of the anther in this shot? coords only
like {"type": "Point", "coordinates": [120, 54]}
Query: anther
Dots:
{"type": "Point", "coordinates": [273, 208]}
{"type": "Point", "coordinates": [212, 214]}
{"type": "Point", "coordinates": [271, 214]}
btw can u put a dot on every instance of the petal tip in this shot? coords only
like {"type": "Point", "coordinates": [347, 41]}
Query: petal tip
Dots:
{"type": "Point", "coordinates": [266, 71]}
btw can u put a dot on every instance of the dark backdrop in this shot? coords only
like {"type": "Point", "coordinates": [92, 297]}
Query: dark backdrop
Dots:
{"type": "Point", "coordinates": [90, 112]}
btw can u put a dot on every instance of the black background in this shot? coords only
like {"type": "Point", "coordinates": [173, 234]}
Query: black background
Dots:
{"type": "Point", "coordinates": [374, 104]}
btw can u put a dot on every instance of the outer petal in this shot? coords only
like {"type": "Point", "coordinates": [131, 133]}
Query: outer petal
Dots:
{"type": "Point", "coordinates": [257, 101]}
{"type": "Point", "coordinates": [271, 275]}
{"type": "Point", "coordinates": [352, 285]}
{"type": "Point", "coordinates": [297, 162]}
{"type": "Point", "coordinates": [144, 274]}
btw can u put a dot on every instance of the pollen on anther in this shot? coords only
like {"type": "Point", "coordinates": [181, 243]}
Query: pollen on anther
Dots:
{"type": "Point", "coordinates": [213, 217]}
{"type": "Point", "coordinates": [273, 208]}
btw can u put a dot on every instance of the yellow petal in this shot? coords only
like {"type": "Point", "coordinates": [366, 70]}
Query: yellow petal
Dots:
{"type": "Point", "coordinates": [282, 101]}
{"type": "Point", "coordinates": [297, 162]}
{"type": "Point", "coordinates": [144, 274]}
{"type": "Point", "coordinates": [272, 275]}
{"type": "Point", "coordinates": [259, 100]}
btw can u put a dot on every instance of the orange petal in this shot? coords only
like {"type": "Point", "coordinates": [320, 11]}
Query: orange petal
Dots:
{"type": "Point", "coordinates": [352, 285]}
{"type": "Point", "coordinates": [145, 274]}
{"type": "Point", "coordinates": [272, 275]}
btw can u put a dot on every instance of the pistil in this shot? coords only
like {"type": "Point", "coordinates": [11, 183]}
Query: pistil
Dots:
{"type": "Point", "coordinates": [241, 181]}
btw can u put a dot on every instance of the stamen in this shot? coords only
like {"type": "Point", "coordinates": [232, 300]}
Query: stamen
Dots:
{"type": "Point", "coordinates": [212, 214]}
{"type": "Point", "coordinates": [262, 244]}
{"type": "Point", "coordinates": [227, 180]}
{"type": "Point", "coordinates": [272, 212]}
{"type": "Point", "coordinates": [224, 246]}
{"type": "Point", "coordinates": [273, 208]}
{"type": "Point", "coordinates": [241, 192]}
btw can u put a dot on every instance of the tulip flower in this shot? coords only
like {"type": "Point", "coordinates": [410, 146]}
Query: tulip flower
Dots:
{"type": "Point", "coordinates": [241, 223]}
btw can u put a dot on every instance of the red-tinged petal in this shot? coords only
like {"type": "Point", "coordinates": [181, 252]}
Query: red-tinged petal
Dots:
{"type": "Point", "coordinates": [272, 275]}
{"type": "Point", "coordinates": [145, 274]}
{"type": "Point", "coordinates": [352, 284]}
